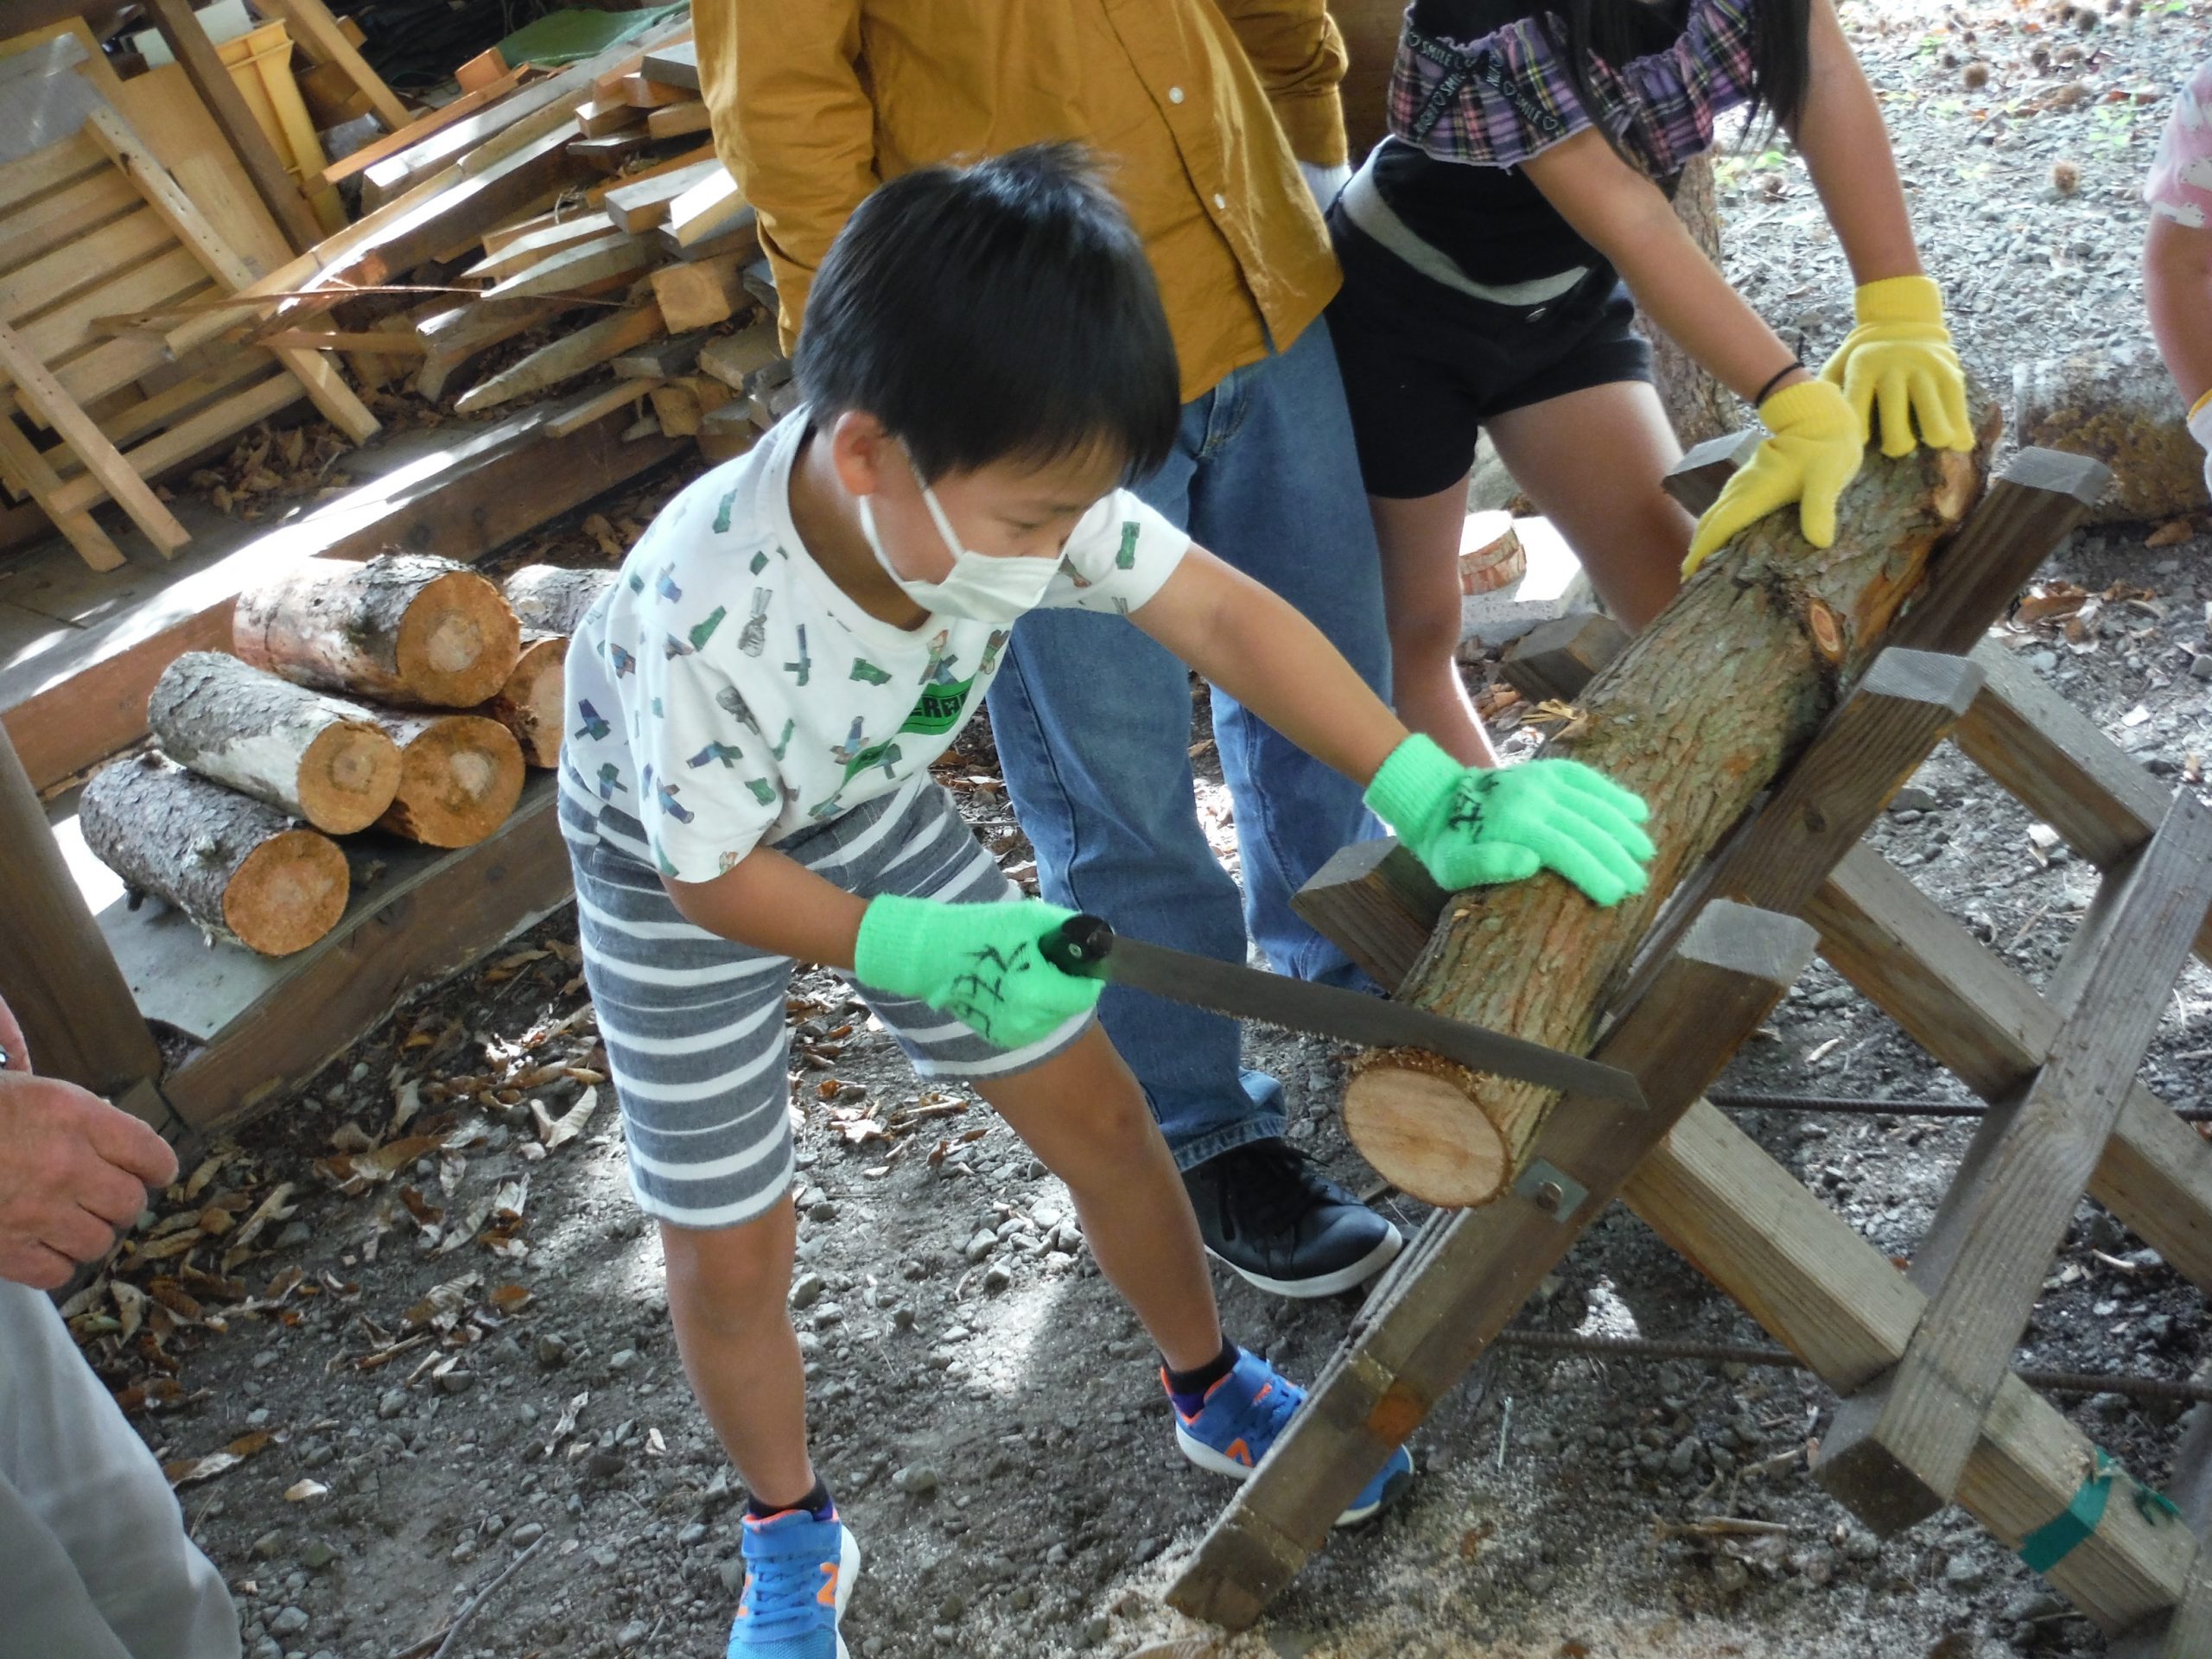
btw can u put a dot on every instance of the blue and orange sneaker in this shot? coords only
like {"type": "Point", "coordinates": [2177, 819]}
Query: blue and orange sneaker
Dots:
{"type": "Point", "coordinates": [798, 1576]}
{"type": "Point", "coordinates": [1240, 1419]}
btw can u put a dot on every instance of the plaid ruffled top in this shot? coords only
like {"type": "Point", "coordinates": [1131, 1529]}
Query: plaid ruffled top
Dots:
{"type": "Point", "coordinates": [1498, 100]}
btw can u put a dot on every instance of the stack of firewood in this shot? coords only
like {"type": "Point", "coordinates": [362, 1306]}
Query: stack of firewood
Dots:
{"type": "Point", "coordinates": [406, 694]}
{"type": "Point", "coordinates": [648, 246]}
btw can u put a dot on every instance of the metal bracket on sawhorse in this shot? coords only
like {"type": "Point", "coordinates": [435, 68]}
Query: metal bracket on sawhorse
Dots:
{"type": "Point", "coordinates": [1707, 1189]}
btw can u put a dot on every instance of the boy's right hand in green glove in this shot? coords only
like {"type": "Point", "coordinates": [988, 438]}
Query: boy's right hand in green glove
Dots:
{"type": "Point", "coordinates": [1473, 826]}
{"type": "Point", "coordinates": [1813, 449]}
{"type": "Point", "coordinates": [980, 963]}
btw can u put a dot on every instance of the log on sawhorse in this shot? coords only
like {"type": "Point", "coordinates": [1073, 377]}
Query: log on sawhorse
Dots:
{"type": "Point", "coordinates": [1714, 1194]}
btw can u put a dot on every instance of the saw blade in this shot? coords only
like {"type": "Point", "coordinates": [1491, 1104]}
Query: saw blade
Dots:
{"type": "Point", "coordinates": [1087, 945]}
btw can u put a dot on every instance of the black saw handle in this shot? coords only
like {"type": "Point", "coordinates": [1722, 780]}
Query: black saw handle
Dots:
{"type": "Point", "coordinates": [1081, 947]}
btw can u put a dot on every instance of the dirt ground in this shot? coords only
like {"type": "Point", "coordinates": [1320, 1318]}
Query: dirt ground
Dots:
{"type": "Point", "coordinates": [424, 1322]}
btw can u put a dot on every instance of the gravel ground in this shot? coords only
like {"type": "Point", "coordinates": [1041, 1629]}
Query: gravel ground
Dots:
{"type": "Point", "coordinates": [429, 1374]}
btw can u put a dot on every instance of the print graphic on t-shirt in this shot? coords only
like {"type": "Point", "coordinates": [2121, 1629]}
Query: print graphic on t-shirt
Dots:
{"type": "Point", "coordinates": [755, 636]}
{"type": "Point", "coordinates": [672, 647]}
{"type": "Point", "coordinates": [992, 648]}
{"type": "Point", "coordinates": [666, 794]}
{"type": "Point", "coordinates": [666, 587]}
{"type": "Point", "coordinates": [728, 753]}
{"type": "Point", "coordinates": [610, 781]}
{"type": "Point", "coordinates": [783, 742]}
{"type": "Point", "coordinates": [763, 791]}
{"type": "Point", "coordinates": [1125, 558]}
{"type": "Point", "coordinates": [595, 725]}
{"type": "Point", "coordinates": [722, 515]}
{"type": "Point", "coordinates": [623, 661]}
{"type": "Point", "coordinates": [804, 666]}
{"type": "Point", "coordinates": [703, 632]}
{"type": "Point", "coordinates": [732, 704]}
{"type": "Point", "coordinates": [864, 669]}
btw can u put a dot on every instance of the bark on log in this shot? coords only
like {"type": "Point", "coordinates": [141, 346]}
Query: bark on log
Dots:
{"type": "Point", "coordinates": [310, 755]}
{"type": "Point", "coordinates": [405, 627]}
{"type": "Point", "coordinates": [2121, 408]}
{"type": "Point", "coordinates": [552, 600]}
{"type": "Point", "coordinates": [1704, 709]}
{"type": "Point", "coordinates": [460, 777]}
{"type": "Point", "coordinates": [529, 705]}
{"type": "Point", "coordinates": [241, 870]}
{"type": "Point", "coordinates": [1698, 406]}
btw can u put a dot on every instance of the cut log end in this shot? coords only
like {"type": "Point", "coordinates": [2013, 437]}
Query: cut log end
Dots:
{"type": "Point", "coordinates": [347, 777]}
{"type": "Point", "coordinates": [529, 705]}
{"type": "Point", "coordinates": [457, 644]}
{"type": "Point", "coordinates": [288, 893]}
{"type": "Point", "coordinates": [460, 777]}
{"type": "Point", "coordinates": [1414, 1117]}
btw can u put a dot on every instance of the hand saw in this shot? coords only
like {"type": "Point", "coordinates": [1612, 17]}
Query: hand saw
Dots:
{"type": "Point", "coordinates": [1085, 946]}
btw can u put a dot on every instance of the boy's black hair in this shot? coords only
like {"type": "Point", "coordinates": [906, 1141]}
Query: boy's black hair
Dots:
{"type": "Point", "coordinates": [1781, 54]}
{"type": "Point", "coordinates": [1003, 311]}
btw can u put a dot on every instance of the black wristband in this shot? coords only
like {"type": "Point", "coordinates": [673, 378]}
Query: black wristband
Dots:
{"type": "Point", "coordinates": [1783, 373]}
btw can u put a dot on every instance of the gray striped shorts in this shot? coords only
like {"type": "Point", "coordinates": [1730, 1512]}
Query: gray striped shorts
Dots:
{"type": "Point", "coordinates": [694, 1023]}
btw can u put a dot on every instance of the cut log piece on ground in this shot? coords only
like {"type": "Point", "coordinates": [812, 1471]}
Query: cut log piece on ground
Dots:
{"type": "Point", "coordinates": [313, 756]}
{"type": "Point", "coordinates": [530, 704]}
{"type": "Point", "coordinates": [460, 777]}
{"type": "Point", "coordinates": [240, 870]}
{"type": "Point", "coordinates": [1697, 716]}
{"type": "Point", "coordinates": [571, 355]}
{"type": "Point", "coordinates": [405, 627]}
{"type": "Point", "coordinates": [2121, 408]}
{"type": "Point", "coordinates": [551, 599]}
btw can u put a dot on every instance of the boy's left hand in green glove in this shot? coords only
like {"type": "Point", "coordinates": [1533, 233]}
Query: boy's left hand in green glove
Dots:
{"type": "Point", "coordinates": [1472, 826]}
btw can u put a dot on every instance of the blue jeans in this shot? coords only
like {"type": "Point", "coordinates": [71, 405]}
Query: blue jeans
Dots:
{"type": "Point", "coordinates": [1093, 725]}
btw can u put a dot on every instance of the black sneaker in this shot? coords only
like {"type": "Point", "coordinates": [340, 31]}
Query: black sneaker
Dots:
{"type": "Point", "coordinates": [1267, 1212]}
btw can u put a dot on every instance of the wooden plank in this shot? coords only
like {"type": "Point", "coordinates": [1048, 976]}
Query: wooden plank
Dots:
{"type": "Point", "coordinates": [162, 108]}
{"type": "Point", "coordinates": [77, 1012]}
{"type": "Point", "coordinates": [31, 473]}
{"type": "Point", "coordinates": [398, 174]}
{"type": "Point", "coordinates": [621, 395]}
{"type": "Point", "coordinates": [1376, 903]}
{"type": "Point", "coordinates": [675, 65]}
{"type": "Point", "coordinates": [67, 327]}
{"type": "Point", "coordinates": [86, 263]}
{"type": "Point", "coordinates": [1991, 1029]}
{"type": "Point", "coordinates": [188, 42]}
{"type": "Point", "coordinates": [679, 120]}
{"type": "Point", "coordinates": [636, 91]}
{"type": "Point", "coordinates": [519, 253]}
{"type": "Point", "coordinates": [603, 117]}
{"type": "Point", "coordinates": [69, 161]}
{"type": "Point", "coordinates": [596, 193]}
{"type": "Point", "coordinates": [1836, 1301]}
{"type": "Point", "coordinates": [395, 942]}
{"type": "Point", "coordinates": [454, 338]}
{"type": "Point", "coordinates": [194, 435]}
{"type": "Point", "coordinates": [571, 355]}
{"type": "Point", "coordinates": [54, 220]}
{"type": "Point", "coordinates": [73, 708]}
{"type": "Point", "coordinates": [182, 397]}
{"type": "Point", "coordinates": [486, 68]}
{"type": "Point", "coordinates": [640, 206]}
{"type": "Point", "coordinates": [312, 25]}
{"type": "Point", "coordinates": [661, 359]}
{"type": "Point", "coordinates": [321, 381]}
{"type": "Point", "coordinates": [1565, 652]}
{"type": "Point", "coordinates": [608, 154]}
{"type": "Point", "coordinates": [616, 254]}
{"type": "Point", "coordinates": [1899, 1449]}
{"type": "Point", "coordinates": [1432, 1318]}
{"type": "Point", "coordinates": [2031, 506]}
{"type": "Point", "coordinates": [711, 207]}
{"type": "Point", "coordinates": [700, 294]}
{"type": "Point", "coordinates": [39, 391]}
{"type": "Point", "coordinates": [417, 130]}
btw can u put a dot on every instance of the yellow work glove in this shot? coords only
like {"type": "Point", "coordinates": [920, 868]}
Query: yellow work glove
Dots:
{"type": "Point", "coordinates": [1812, 451]}
{"type": "Point", "coordinates": [1899, 361]}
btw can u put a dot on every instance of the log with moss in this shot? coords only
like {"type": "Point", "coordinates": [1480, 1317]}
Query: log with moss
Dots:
{"type": "Point", "coordinates": [2119, 407]}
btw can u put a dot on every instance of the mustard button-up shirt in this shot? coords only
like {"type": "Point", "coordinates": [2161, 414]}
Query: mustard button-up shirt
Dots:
{"type": "Point", "coordinates": [1204, 107]}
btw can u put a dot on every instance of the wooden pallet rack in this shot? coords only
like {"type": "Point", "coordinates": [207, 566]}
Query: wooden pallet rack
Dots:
{"type": "Point", "coordinates": [1932, 1412]}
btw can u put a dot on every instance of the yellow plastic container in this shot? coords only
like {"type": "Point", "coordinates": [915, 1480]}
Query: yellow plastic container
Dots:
{"type": "Point", "coordinates": [261, 64]}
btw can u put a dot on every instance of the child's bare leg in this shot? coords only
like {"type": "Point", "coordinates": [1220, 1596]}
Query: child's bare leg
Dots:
{"type": "Point", "coordinates": [1594, 461]}
{"type": "Point", "coordinates": [1419, 540]}
{"type": "Point", "coordinates": [727, 1296]}
{"type": "Point", "coordinates": [1083, 1116]}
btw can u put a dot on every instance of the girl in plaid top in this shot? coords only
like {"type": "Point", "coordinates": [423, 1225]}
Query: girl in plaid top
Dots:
{"type": "Point", "coordinates": [1496, 244]}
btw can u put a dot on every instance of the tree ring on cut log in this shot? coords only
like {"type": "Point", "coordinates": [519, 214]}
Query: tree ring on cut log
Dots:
{"type": "Point", "coordinates": [461, 776]}
{"type": "Point", "coordinates": [1417, 1118]}
{"type": "Point", "coordinates": [457, 642]}
{"type": "Point", "coordinates": [287, 893]}
{"type": "Point", "coordinates": [347, 777]}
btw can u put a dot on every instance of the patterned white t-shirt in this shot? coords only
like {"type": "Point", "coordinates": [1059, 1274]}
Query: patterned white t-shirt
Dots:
{"type": "Point", "coordinates": [724, 693]}
{"type": "Point", "coordinates": [2180, 185]}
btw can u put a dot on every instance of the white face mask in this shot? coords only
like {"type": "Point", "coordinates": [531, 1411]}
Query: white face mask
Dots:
{"type": "Point", "coordinates": [978, 586]}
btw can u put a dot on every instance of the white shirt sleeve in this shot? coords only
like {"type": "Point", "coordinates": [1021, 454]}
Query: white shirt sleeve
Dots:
{"type": "Point", "coordinates": [1120, 556]}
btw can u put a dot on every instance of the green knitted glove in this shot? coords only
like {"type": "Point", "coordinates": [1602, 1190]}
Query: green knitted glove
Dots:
{"type": "Point", "coordinates": [978, 962]}
{"type": "Point", "coordinates": [1472, 826]}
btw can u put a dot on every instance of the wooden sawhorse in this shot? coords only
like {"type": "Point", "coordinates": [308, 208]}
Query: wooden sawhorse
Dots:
{"type": "Point", "coordinates": [1932, 1412]}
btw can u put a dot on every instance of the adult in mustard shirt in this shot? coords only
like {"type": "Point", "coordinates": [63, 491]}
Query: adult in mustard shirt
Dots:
{"type": "Point", "coordinates": [1222, 123]}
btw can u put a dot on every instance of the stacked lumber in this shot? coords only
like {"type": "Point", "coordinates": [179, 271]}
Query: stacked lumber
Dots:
{"type": "Point", "coordinates": [400, 695]}
{"type": "Point", "coordinates": [593, 236]}
{"type": "Point", "coordinates": [93, 229]}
